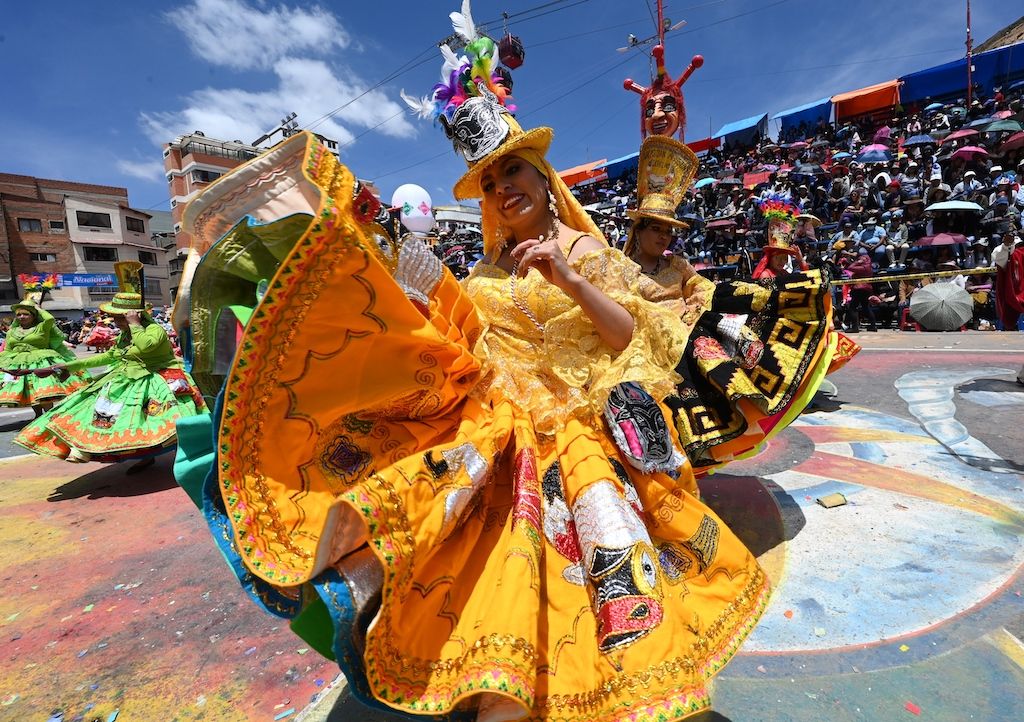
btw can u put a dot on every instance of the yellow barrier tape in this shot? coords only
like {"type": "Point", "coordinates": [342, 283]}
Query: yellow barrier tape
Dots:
{"type": "Point", "coordinates": [915, 276]}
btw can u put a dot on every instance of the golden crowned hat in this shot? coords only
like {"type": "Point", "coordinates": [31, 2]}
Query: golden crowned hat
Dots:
{"type": "Point", "coordinates": [666, 169]}
{"type": "Point", "coordinates": [131, 288]}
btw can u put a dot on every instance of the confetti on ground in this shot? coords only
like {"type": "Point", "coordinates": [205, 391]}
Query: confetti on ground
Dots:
{"type": "Point", "coordinates": [788, 614]}
{"type": "Point", "coordinates": [318, 682]}
{"type": "Point", "coordinates": [904, 648]}
{"type": "Point", "coordinates": [819, 631]}
{"type": "Point", "coordinates": [761, 668]}
{"type": "Point", "coordinates": [13, 616]}
{"type": "Point", "coordinates": [249, 651]}
{"type": "Point", "coordinates": [303, 650]}
{"type": "Point", "coordinates": [286, 713]}
{"type": "Point", "coordinates": [9, 700]}
{"type": "Point", "coordinates": [88, 607]}
{"type": "Point", "coordinates": [113, 715]}
{"type": "Point", "coordinates": [912, 708]}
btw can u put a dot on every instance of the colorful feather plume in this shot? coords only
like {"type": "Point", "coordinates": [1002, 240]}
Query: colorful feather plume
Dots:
{"type": "Point", "coordinates": [776, 207]}
{"type": "Point", "coordinates": [463, 75]}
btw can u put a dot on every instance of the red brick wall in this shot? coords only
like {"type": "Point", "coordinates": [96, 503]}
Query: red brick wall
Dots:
{"type": "Point", "coordinates": [23, 243]}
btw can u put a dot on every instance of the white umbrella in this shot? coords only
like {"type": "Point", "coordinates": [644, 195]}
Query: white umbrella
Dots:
{"type": "Point", "coordinates": [955, 206]}
{"type": "Point", "coordinates": [941, 306]}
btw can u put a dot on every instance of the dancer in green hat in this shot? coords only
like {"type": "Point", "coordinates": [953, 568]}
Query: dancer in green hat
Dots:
{"type": "Point", "coordinates": [130, 412]}
{"type": "Point", "coordinates": [34, 342]}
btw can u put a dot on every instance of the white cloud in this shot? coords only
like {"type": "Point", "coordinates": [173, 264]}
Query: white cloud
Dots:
{"type": "Point", "coordinates": [147, 170]}
{"type": "Point", "coordinates": [237, 35]}
{"type": "Point", "coordinates": [308, 87]}
{"type": "Point", "coordinates": [285, 41]}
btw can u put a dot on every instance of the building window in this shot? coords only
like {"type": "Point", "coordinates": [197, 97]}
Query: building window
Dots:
{"type": "Point", "coordinates": [93, 220]}
{"type": "Point", "coordinates": [148, 258]}
{"type": "Point", "coordinates": [135, 224]}
{"type": "Point", "coordinates": [205, 176]}
{"type": "Point", "coordinates": [102, 290]}
{"type": "Point", "coordinates": [95, 253]}
{"type": "Point", "coordinates": [57, 226]}
{"type": "Point", "coordinates": [153, 287]}
{"type": "Point", "coordinates": [43, 257]}
{"type": "Point", "coordinates": [30, 225]}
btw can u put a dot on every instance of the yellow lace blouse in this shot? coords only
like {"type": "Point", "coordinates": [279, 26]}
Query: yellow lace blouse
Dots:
{"type": "Point", "coordinates": [563, 368]}
{"type": "Point", "coordinates": [680, 288]}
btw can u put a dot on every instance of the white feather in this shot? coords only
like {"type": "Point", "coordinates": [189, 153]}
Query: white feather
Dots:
{"type": "Point", "coordinates": [451, 62]}
{"type": "Point", "coordinates": [423, 107]}
{"type": "Point", "coordinates": [462, 23]}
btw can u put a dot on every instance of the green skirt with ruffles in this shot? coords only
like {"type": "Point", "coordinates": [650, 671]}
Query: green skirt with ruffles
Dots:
{"type": "Point", "coordinates": [118, 416]}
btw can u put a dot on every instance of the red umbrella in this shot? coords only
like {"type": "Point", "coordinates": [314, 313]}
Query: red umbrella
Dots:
{"type": "Point", "coordinates": [969, 152]}
{"type": "Point", "coordinates": [942, 239]}
{"type": "Point", "coordinates": [1013, 142]}
{"type": "Point", "coordinates": [722, 223]}
{"type": "Point", "coordinates": [799, 145]}
{"type": "Point", "coordinates": [965, 133]}
{"type": "Point", "coordinates": [1002, 114]}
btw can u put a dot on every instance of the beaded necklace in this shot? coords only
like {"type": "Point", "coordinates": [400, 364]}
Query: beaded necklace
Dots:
{"type": "Point", "coordinates": [512, 283]}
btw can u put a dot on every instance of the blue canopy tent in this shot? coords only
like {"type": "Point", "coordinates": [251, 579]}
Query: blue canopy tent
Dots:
{"type": "Point", "coordinates": [743, 132]}
{"type": "Point", "coordinates": [810, 113]}
{"type": "Point", "coordinates": [993, 68]}
{"type": "Point", "coordinates": [619, 167]}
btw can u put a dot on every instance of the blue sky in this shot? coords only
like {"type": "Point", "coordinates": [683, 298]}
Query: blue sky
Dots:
{"type": "Point", "coordinates": [94, 88]}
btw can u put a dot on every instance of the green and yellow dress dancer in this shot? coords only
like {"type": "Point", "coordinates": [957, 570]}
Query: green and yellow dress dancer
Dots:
{"type": "Point", "coordinates": [34, 342]}
{"type": "Point", "coordinates": [130, 412]}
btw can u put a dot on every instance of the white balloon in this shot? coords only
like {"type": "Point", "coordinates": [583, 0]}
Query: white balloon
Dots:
{"type": "Point", "coordinates": [415, 206]}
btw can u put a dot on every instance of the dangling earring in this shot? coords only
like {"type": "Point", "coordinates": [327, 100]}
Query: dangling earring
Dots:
{"type": "Point", "coordinates": [553, 207]}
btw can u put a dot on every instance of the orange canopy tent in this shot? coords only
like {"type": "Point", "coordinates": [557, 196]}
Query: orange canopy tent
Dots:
{"type": "Point", "coordinates": [867, 100]}
{"type": "Point", "coordinates": [580, 173]}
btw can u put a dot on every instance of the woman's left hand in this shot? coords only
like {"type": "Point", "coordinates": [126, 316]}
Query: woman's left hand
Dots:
{"type": "Point", "coordinates": [133, 318]}
{"type": "Point", "coordinates": [547, 257]}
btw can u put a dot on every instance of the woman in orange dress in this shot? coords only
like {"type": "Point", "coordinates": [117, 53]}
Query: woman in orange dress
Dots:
{"type": "Point", "coordinates": [467, 494]}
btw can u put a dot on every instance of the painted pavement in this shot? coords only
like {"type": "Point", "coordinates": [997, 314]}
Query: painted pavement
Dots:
{"type": "Point", "coordinates": [115, 604]}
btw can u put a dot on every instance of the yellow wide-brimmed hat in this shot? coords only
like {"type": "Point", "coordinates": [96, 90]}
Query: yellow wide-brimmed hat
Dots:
{"type": "Point", "coordinates": [131, 288]}
{"type": "Point", "coordinates": [482, 131]}
{"type": "Point", "coordinates": [666, 169]}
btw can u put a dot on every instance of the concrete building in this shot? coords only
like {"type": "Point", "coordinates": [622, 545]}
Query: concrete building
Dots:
{"type": "Point", "coordinates": [191, 163]}
{"type": "Point", "coordinates": [59, 227]}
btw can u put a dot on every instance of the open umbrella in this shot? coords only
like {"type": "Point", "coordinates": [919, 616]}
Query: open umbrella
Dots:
{"type": "Point", "coordinates": [969, 152]}
{"type": "Point", "coordinates": [874, 146]}
{"type": "Point", "coordinates": [1012, 143]}
{"type": "Point", "coordinates": [730, 182]}
{"type": "Point", "coordinates": [721, 223]}
{"type": "Point", "coordinates": [955, 206]}
{"type": "Point", "coordinates": [933, 107]}
{"type": "Point", "coordinates": [965, 133]}
{"type": "Point", "coordinates": [941, 239]}
{"type": "Point", "coordinates": [874, 156]}
{"type": "Point", "coordinates": [799, 145]}
{"type": "Point", "coordinates": [1002, 114]}
{"type": "Point", "coordinates": [703, 182]}
{"type": "Point", "coordinates": [979, 122]}
{"type": "Point", "coordinates": [809, 169]}
{"type": "Point", "coordinates": [841, 155]}
{"type": "Point", "coordinates": [1004, 126]}
{"type": "Point", "coordinates": [820, 143]}
{"type": "Point", "coordinates": [941, 306]}
{"type": "Point", "coordinates": [918, 140]}
{"type": "Point", "coordinates": [958, 110]}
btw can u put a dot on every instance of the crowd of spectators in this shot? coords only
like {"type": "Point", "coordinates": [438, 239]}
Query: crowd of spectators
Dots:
{"type": "Point", "coordinates": [868, 189]}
